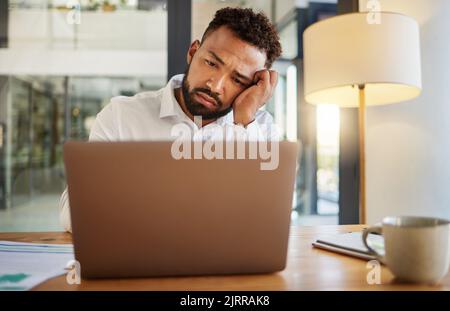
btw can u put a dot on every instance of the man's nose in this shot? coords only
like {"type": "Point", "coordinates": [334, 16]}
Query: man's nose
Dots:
{"type": "Point", "coordinates": [215, 84]}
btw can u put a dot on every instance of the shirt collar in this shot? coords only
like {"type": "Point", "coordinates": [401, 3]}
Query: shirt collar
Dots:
{"type": "Point", "coordinates": [171, 108]}
{"type": "Point", "coordinates": [169, 104]}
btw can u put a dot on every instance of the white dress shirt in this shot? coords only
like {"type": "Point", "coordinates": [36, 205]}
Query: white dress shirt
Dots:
{"type": "Point", "coordinates": [152, 116]}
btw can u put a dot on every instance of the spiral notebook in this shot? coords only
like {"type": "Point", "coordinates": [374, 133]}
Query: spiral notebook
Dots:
{"type": "Point", "coordinates": [350, 244]}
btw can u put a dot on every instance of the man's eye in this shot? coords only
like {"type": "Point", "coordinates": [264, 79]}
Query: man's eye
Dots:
{"type": "Point", "coordinates": [210, 63]}
{"type": "Point", "coordinates": [239, 82]}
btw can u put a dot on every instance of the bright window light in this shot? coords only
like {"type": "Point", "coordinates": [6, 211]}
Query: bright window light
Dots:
{"type": "Point", "coordinates": [291, 103]}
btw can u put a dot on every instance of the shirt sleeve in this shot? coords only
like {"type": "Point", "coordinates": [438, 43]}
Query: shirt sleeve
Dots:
{"type": "Point", "coordinates": [103, 129]}
{"type": "Point", "coordinates": [262, 128]}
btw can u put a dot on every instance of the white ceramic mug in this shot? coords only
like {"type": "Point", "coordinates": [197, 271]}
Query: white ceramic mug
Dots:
{"type": "Point", "coordinates": [417, 249]}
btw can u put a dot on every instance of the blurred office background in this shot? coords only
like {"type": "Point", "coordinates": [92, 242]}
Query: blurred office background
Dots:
{"type": "Point", "coordinates": [61, 61]}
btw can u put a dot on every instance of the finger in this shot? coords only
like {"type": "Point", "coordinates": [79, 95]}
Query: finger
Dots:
{"type": "Point", "coordinates": [261, 75]}
{"type": "Point", "coordinates": [273, 78]}
{"type": "Point", "coordinates": [264, 82]}
{"type": "Point", "coordinates": [273, 81]}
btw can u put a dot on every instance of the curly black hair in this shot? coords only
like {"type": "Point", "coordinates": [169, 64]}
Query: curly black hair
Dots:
{"type": "Point", "coordinates": [251, 27]}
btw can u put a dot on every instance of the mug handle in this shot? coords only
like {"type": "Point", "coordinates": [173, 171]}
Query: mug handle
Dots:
{"type": "Point", "coordinates": [378, 229]}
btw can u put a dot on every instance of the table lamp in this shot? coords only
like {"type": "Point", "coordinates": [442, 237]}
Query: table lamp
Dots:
{"type": "Point", "coordinates": [351, 62]}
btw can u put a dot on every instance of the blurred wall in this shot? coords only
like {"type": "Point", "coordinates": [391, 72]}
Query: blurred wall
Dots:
{"type": "Point", "coordinates": [408, 144]}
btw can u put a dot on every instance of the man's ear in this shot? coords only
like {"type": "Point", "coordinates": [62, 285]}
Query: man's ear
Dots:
{"type": "Point", "coordinates": [192, 50]}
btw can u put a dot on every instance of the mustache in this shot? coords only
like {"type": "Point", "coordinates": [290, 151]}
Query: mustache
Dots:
{"type": "Point", "coordinates": [208, 92]}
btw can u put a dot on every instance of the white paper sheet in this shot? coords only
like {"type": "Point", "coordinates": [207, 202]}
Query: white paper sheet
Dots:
{"type": "Point", "coordinates": [25, 265]}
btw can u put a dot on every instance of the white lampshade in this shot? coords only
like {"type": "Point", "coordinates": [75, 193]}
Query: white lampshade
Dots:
{"type": "Point", "coordinates": [345, 51]}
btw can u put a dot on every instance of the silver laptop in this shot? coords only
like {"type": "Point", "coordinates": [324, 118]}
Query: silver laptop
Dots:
{"type": "Point", "coordinates": [138, 211]}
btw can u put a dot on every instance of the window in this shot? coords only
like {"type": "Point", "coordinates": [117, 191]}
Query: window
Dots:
{"type": "Point", "coordinates": [65, 60]}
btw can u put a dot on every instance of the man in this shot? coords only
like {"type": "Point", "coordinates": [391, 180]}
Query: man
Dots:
{"type": "Point", "coordinates": [226, 82]}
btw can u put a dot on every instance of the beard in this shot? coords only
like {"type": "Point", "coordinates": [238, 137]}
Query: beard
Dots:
{"type": "Point", "coordinates": [198, 109]}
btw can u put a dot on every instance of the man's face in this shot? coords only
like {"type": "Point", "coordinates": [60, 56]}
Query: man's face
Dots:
{"type": "Point", "coordinates": [218, 71]}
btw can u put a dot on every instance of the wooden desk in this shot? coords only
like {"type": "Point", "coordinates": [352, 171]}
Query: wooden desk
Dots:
{"type": "Point", "coordinates": [307, 269]}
